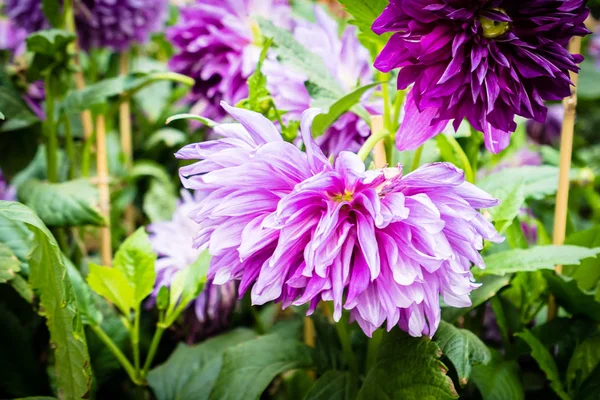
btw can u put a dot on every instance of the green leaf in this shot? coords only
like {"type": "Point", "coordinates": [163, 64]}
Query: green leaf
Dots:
{"type": "Point", "coordinates": [407, 368]}
{"type": "Point", "coordinates": [52, 11]}
{"type": "Point", "coordinates": [333, 111]}
{"type": "Point", "coordinates": [159, 201]}
{"type": "Point", "coordinates": [512, 197]}
{"type": "Point", "coordinates": [570, 296]}
{"type": "Point", "coordinates": [585, 359]}
{"type": "Point", "coordinates": [22, 287]}
{"type": "Point", "coordinates": [490, 285]}
{"type": "Point", "coordinates": [190, 372]}
{"type": "Point", "coordinates": [38, 167]}
{"type": "Point", "coordinates": [72, 203]}
{"type": "Point", "coordinates": [544, 359]}
{"type": "Point", "coordinates": [145, 168]}
{"type": "Point", "coordinates": [498, 380]}
{"type": "Point", "coordinates": [250, 367]}
{"type": "Point", "coordinates": [16, 236]}
{"type": "Point", "coordinates": [58, 303]}
{"type": "Point", "coordinates": [299, 58]}
{"type": "Point", "coordinates": [539, 181]}
{"type": "Point", "coordinates": [101, 92]}
{"type": "Point", "coordinates": [589, 80]}
{"type": "Point", "coordinates": [364, 13]}
{"type": "Point", "coordinates": [90, 314]}
{"type": "Point", "coordinates": [334, 385]}
{"type": "Point", "coordinates": [18, 115]}
{"type": "Point", "coordinates": [49, 42]}
{"type": "Point", "coordinates": [533, 259]}
{"type": "Point", "coordinates": [587, 274]}
{"type": "Point", "coordinates": [186, 286]}
{"type": "Point", "coordinates": [170, 137]}
{"type": "Point", "coordinates": [112, 284]}
{"type": "Point", "coordinates": [257, 82]}
{"type": "Point", "coordinates": [9, 263]}
{"type": "Point", "coordinates": [208, 122]}
{"type": "Point", "coordinates": [463, 348]}
{"type": "Point", "coordinates": [136, 258]}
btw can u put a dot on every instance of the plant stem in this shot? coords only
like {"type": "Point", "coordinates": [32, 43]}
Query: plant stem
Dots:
{"type": "Point", "coordinates": [135, 339]}
{"type": "Point", "coordinates": [342, 330]}
{"type": "Point", "coordinates": [69, 145]}
{"type": "Point", "coordinates": [398, 101]}
{"type": "Point", "coordinates": [373, 347]}
{"type": "Point", "coordinates": [104, 190]}
{"type": "Point", "coordinates": [50, 131]}
{"type": "Point", "coordinates": [260, 327]}
{"type": "Point", "coordinates": [152, 351]}
{"type": "Point", "coordinates": [117, 353]}
{"type": "Point", "coordinates": [566, 152]}
{"type": "Point", "coordinates": [366, 148]}
{"type": "Point", "coordinates": [417, 158]}
{"type": "Point", "coordinates": [385, 92]}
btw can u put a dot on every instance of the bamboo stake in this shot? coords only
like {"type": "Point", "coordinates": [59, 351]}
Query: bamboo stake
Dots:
{"type": "Point", "coordinates": [125, 116]}
{"type": "Point", "coordinates": [104, 191]}
{"type": "Point", "coordinates": [379, 156]}
{"type": "Point", "coordinates": [566, 152]}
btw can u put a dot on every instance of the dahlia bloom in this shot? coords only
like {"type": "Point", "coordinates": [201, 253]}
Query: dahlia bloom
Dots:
{"type": "Point", "coordinates": [347, 61]}
{"type": "Point", "coordinates": [216, 46]}
{"type": "Point", "coordinates": [299, 230]}
{"type": "Point", "coordinates": [547, 132]}
{"type": "Point", "coordinates": [173, 241]}
{"type": "Point", "coordinates": [7, 192]}
{"type": "Point", "coordinates": [12, 37]}
{"type": "Point", "coordinates": [100, 23]}
{"type": "Point", "coordinates": [484, 60]}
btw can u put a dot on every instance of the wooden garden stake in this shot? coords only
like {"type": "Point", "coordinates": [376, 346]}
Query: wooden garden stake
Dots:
{"type": "Point", "coordinates": [103, 189]}
{"type": "Point", "coordinates": [379, 157]}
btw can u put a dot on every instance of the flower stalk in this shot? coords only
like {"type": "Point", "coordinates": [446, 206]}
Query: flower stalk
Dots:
{"type": "Point", "coordinates": [566, 153]}
{"type": "Point", "coordinates": [50, 131]}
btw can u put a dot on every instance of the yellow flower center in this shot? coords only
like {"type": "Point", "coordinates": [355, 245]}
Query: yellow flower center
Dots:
{"type": "Point", "coordinates": [346, 196]}
{"type": "Point", "coordinates": [493, 29]}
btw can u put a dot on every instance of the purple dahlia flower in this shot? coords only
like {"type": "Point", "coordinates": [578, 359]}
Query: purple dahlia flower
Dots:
{"type": "Point", "coordinates": [346, 60]}
{"type": "Point", "coordinates": [300, 230]}
{"type": "Point", "coordinates": [100, 23]}
{"type": "Point", "coordinates": [173, 241]}
{"type": "Point", "coordinates": [7, 192]}
{"type": "Point", "coordinates": [483, 60]}
{"type": "Point", "coordinates": [549, 131]}
{"type": "Point", "coordinates": [216, 46]}
{"type": "Point", "coordinates": [12, 37]}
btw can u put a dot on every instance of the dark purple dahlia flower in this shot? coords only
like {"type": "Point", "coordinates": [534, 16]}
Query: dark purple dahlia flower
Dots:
{"type": "Point", "coordinates": [347, 61]}
{"type": "Point", "coordinates": [299, 230]}
{"type": "Point", "coordinates": [483, 60]}
{"type": "Point", "coordinates": [173, 241]}
{"type": "Point", "coordinates": [100, 23]}
{"type": "Point", "coordinates": [7, 192]}
{"type": "Point", "coordinates": [217, 47]}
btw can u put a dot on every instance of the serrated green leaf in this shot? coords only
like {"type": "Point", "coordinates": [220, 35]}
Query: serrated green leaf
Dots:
{"type": "Point", "coordinates": [534, 259]}
{"type": "Point", "coordinates": [334, 110]}
{"type": "Point", "coordinates": [112, 284]}
{"type": "Point", "coordinates": [490, 285]}
{"type": "Point", "coordinates": [18, 115]}
{"type": "Point", "coordinates": [22, 287]}
{"type": "Point", "coordinates": [90, 314]}
{"type": "Point", "coordinates": [249, 367]}
{"type": "Point", "coordinates": [38, 168]}
{"type": "Point", "coordinates": [145, 168]}
{"type": "Point", "coordinates": [498, 380]}
{"type": "Point", "coordinates": [299, 58]}
{"type": "Point", "coordinates": [334, 385]}
{"type": "Point", "coordinates": [136, 258]}
{"type": "Point", "coordinates": [72, 203]}
{"type": "Point", "coordinates": [364, 13]}
{"type": "Point", "coordinates": [101, 92]}
{"type": "Point", "coordinates": [9, 263]}
{"type": "Point", "coordinates": [257, 81]}
{"type": "Point", "coordinates": [58, 303]}
{"type": "Point", "coordinates": [191, 371]}
{"type": "Point", "coordinates": [570, 296]}
{"type": "Point", "coordinates": [538, 181]}
{"type": "Point", "coordinates": [19, 239]}
{"type": "Point", "coordinates": [511, 198]}
{"type": "Point", "coordinates": [542, 356]}
{"type": "Point", "coordinates": [407, 368]}
{"type": "Point", "coordinates": [585, 359]}
{"type": "Point", "coordinates": [463, 348]}
{"type": "Point", "coordinates": [49, 42]}
{"type": "Point", "coordinates": [587, 274]}
{"type": "Point", "coordinates": [159, 201]}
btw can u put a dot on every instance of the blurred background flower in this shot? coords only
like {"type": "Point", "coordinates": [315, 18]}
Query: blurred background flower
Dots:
{"type": "Point", "coordinates": [7, 192]}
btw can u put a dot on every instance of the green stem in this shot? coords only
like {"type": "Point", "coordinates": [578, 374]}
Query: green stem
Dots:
{"type": "Point", "coordinates": [153, 347]}
{"type": "Point", "coordinates": [117, 353]}
{"type": "Point", "coordinates": [342, 330]}
{"type": "Point", "coordinates": [50, 130]}
{"type": "Point", "coordinates": [373, 347]}
{"type": "Point", "coordinates": [417, 158]}
{"type": "Point", "coordinates": [464, 160]}
{"type": "Point", "coordinates": [86, 157]}
{"type": "Point", "coordinates": [70, 146]}
{"type": "Point", "coordinates": [385, 92]}
{"type": "Point", "coordinates": [161, 76]}
{"type": "Point", "coordinates": [368, 146]}
{"type": "Point", "coordinates": [260, 327]}
{"type": "Point", "coordinates": [398, 101]}
{"type": "Point", "coordinates": [135, 340]}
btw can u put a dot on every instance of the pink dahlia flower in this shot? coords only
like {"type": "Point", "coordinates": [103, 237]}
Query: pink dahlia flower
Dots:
{"type": "Point", "coordinates": [299, 230]}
